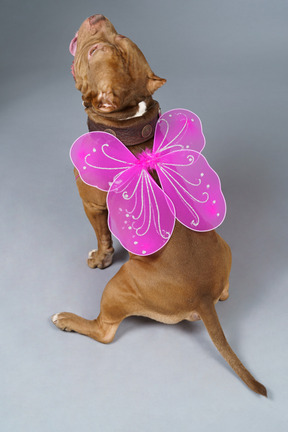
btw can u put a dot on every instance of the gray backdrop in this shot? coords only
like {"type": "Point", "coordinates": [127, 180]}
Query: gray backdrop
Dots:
{"type": "Point", "coordinates": [225, 60]}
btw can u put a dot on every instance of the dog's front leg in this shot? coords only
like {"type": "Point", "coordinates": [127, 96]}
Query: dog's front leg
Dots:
{"type": "Point", "coordinates": [94, 202]}
{"type": "Point", "coordinates": [101, 257]}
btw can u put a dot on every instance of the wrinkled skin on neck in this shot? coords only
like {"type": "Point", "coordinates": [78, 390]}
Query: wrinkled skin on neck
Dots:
{"type": "Point", "coordinates": [109, 69]}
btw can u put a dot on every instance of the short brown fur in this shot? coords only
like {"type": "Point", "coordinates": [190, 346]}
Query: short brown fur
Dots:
{"type": "Point", "coordinates": [185, 279]}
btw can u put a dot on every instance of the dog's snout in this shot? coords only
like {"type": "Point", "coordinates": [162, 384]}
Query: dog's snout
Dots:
{"type": "Point", "coordinates": [94, 19]}
{"type": "Point", "coordinates": [99, 24]}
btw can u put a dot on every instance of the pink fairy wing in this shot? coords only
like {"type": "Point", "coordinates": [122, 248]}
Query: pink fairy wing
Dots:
{"type": "Point", "coordinates": [178, 128]}
{"type": "Point", "coordinates": [194, 188]}
{"type": "Point", "coordinates": [99, 157]}
{"type": "Point", "coordinates": [141, 215]}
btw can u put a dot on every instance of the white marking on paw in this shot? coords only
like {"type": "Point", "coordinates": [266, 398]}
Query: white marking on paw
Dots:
{"type": "Point", "coordinates": [55, 318]}
{"type": "Point", "coordinates": [91, 253]}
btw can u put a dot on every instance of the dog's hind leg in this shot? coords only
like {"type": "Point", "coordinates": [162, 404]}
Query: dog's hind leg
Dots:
{"type": "Point", "coordinates": [98, 329]}
{"type": "Point", "coordinates": [119, 300]}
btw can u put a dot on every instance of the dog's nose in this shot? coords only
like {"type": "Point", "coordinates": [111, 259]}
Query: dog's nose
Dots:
{"type": "Point", "coordinates": [94, 19]}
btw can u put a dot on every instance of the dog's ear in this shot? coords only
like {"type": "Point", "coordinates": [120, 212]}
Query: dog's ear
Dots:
{"type": "Point", "coordinates": [154, 83]}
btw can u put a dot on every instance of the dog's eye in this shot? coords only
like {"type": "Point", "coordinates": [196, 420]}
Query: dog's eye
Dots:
{"type": "Point", "coordinates": [98, 47]}
{"type": "Point", "coordinates": [92, 51]}
{"type": "Point", "coordinates": [119, 39]}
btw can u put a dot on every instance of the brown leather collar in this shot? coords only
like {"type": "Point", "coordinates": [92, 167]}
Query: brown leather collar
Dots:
{"type": "Point", "coordinates": [133, 131]}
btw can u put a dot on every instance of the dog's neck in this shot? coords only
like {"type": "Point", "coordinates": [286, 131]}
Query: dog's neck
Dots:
{"type": "Point", "coordinates": [132, 127]}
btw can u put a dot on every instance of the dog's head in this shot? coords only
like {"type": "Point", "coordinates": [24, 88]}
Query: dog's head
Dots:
{"type": "Point", "coordinates": [109, 69]}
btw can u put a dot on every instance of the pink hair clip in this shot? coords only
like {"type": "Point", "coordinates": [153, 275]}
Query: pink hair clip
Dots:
{"type": "Point", "coordinates": [142, 214]}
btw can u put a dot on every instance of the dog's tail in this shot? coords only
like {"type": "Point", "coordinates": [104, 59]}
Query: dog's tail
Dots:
{"type": "Point", "coordinates": [210, 319]}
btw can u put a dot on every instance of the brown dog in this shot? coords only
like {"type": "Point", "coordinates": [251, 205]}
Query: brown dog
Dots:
{"type": "Point", "coordinates": [185, 279]}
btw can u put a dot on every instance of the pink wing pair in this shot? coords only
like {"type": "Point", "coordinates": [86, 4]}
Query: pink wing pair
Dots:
{"type": "Point", "coordinates": [141, 214]}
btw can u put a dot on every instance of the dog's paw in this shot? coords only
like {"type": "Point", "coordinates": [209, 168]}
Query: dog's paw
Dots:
{"type": "Point", "coordinates": [101, 260]}
{"type": "Point", "coordinates": [64, 321]}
